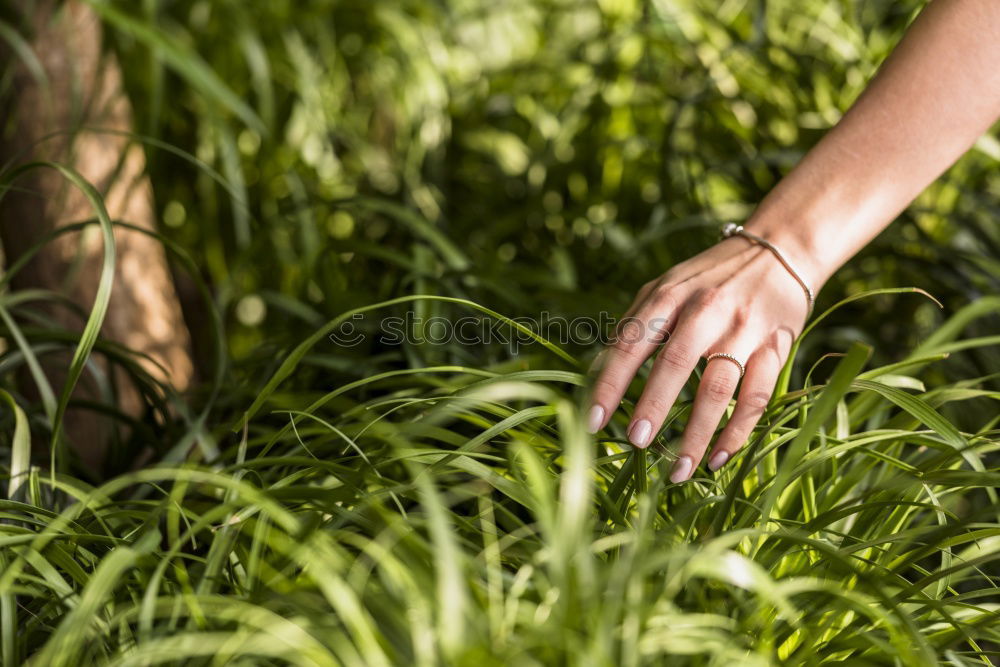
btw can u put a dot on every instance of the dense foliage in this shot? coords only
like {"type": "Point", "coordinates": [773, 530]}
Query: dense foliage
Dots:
{"type": "Point", "coordinates": [317, 503]}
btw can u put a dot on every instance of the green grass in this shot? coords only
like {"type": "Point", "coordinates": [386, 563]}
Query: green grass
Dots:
{"type": "Point", "coordinates": [312, 504]}
{"type": "Point", "coordinates": [462, 515]}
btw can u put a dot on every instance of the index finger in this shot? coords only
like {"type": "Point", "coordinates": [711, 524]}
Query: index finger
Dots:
{"type": "Point", "coordinates": [637, 339]}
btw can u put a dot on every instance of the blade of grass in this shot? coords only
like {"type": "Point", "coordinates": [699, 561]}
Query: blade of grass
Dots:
{"type": "Point", "coordinates": [100, 306]}
{"type": "Point", "coordinates": [20, 454]}
{"type": "Point", "coordinates": [821, 409]}
{"type": "Point", "coordinates": [181, 59]}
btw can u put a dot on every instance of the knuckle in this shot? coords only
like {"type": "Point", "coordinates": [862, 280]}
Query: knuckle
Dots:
{"type": "Point", "coordinates": [708, 299]}
{"type": "Point", "coordinates": [696, 435]}
{"type": "Point", "coordinates": [741, 316]}
{"type": "Point", "coordinates": [603, 386]}
{"type": "Point", "coordinates": [663, 296]}
{"type": "Point", "coordinates": [773, 341]}
{"type": "Point", "coordinates": [628, 344]}
{"type": "Point", "coordinates": [655, 405]}
{"type": "Point", "coordinates": [769, 358]}
{"type": "Point", "coordinates": [674, 357]}
{"type": "Point", "coordinates": [720, 388]}
{"type": "Point", "coordinates": [779, 341]}
{"type": "Point", "coordinates": [628, 336]}
{"type": "Point", "coordinates": [730, 442]}
{"type": "Point", "coordinates": [755, 402]}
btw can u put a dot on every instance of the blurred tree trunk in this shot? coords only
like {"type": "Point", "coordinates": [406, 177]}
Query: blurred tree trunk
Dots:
{"type": "Point", "coordinates": [55, 121]}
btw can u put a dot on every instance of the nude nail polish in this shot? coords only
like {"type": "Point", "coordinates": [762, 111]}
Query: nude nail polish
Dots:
{"type": "Point", "coordinates": [718, 461]}
{"type": "Point", "coordinates": [682, 470]}
{"type": "Point", "coordinates": [596, 419]}
{"type": "Point", "coordinates": [640, 432]}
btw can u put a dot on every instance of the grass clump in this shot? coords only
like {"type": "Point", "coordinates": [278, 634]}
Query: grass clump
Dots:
{"type": "Point", "coordinates": [458, 515]}
{"type": "Point", "coordinates": [320, 504]}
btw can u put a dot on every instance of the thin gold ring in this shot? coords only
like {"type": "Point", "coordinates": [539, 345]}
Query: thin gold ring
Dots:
{"type": "Point", "coordinates": [726, 355]}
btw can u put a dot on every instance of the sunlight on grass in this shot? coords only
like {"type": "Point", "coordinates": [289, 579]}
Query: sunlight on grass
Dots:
{"type": "Point", "coordinates": [320, 162]}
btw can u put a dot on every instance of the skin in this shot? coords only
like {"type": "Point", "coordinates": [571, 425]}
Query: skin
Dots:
{"type": "Point", "coordinates": [933, 97]}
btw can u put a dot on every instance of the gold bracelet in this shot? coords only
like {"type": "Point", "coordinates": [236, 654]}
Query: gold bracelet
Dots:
{"type": "Point", "coordinates": [731, 229]}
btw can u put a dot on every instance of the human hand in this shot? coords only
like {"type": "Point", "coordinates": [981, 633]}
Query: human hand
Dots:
{"type": "Point", "coordinates": [933, 97]}
{"type": "Point", "coordinates": [734, 298]}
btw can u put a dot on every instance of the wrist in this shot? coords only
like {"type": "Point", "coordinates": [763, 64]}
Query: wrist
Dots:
{"type": "Point", "coordinates": [777, 260]}
{"type": "Point", "coordinates": [797, 239]}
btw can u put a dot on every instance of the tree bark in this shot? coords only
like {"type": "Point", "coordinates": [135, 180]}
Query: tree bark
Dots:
{"type": "Point", "coordinates": [57, 122]}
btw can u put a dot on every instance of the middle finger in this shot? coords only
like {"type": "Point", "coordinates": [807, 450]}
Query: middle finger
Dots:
{"type": "Point", "coordinates": [670, 372]}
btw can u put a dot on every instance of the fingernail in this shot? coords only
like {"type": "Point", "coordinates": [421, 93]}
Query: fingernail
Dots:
{"type": "Point", "coordinates": [682, 470]}
{"type": "Point", "coordinates": [640, 432]}
{"type": "Point", "coordinates": [718, 461]}
{"type": "Point", "coordinates": [596, 419]}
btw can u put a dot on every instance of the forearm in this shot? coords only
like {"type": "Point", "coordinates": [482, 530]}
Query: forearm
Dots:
{"type": "Point", "coordinates": [934, 96]}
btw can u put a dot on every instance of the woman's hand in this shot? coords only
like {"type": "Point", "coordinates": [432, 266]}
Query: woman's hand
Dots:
{"type": "Point", "coordinates": [734, 298]}
{"type": "Point", "coordinates": [932, 98]}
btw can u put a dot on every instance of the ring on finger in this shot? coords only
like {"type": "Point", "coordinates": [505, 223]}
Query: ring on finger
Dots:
{"type": "Point", "coordinates": [726, 355]}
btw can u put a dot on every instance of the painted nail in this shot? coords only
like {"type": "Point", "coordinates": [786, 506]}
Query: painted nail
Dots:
{"type": "Point", "coordinates": [596, 419]}
{"type": "Point", "coordinates": [682, 470]}
{"type": "Point", "coordinates": [718, 461]}
{"type": "Point", "coordinates": [640, 432]}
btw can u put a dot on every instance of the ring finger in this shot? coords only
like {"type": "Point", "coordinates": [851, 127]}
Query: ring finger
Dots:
{"type": "Point", "coordinates": [715, 391]}
{"type": "Point", "coordinates": [764, 367]}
